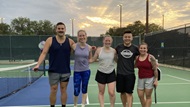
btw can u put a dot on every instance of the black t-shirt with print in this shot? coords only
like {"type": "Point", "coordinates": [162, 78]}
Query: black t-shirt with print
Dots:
{"type": "Point", "coordinates": [126, 57]}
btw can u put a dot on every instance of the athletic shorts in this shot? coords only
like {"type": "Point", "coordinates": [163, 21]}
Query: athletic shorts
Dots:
{"type": "Point", "coordinates": [55, 78]}
{"type": "Point", "coordinates": [81, 78]}
{"type": "Point", "coordinates": [104, 78]}
{"type": "Point", "coordinates": [145, 83]}
{"type": "Point", "coordinates": [125, 83]}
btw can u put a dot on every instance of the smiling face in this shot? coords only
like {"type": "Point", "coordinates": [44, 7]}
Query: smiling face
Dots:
{"type": "Point", "coordinates": [60, 30]}
{"type": "Point", "coordinates": [82, 36]}
{"type": "Point", "coordinates": [143, 49]}
{"type": "Point", "coordinates": [107, 41]}
{"type": "Point", "coordinates": [127, 39]}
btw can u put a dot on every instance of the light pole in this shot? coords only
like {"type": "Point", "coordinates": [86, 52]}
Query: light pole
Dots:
{"type": "Point", "coordinates": [2, 19]}
{"type": "Point", "coordinates": [120, 7]}
{"type": "Point", "coordinates": [147, 15]}
{"type": "Point", "coordinates": [72, 22]}
{"type": "Point", "coordinates": [163, 21]}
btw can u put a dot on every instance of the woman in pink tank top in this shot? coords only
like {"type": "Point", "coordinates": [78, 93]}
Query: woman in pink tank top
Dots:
{"type": "Point", "coordinates": [147, 75]}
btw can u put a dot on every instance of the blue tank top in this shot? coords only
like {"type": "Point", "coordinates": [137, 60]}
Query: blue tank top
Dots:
{"type": "Point", "coordinates": [81, 58]}
{"type": "Point", "coordinates": [59, 57]}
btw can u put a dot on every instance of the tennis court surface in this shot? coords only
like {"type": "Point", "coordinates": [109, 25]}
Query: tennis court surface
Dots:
{"type": "Point", "coordinates": [173, 91]}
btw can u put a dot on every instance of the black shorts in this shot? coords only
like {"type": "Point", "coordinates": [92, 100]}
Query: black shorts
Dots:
{"type": "Point", "coordinates": [104, 78]}
{"type": "Point", "coordinates": [125, 83]}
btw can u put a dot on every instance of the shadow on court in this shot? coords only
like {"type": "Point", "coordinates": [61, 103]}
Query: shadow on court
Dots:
{"type": "Point", "coordinates": [37, 94]}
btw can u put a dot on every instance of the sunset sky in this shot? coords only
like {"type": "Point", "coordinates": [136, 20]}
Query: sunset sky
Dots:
{"type": "Point", "coordinates": [97, 16]}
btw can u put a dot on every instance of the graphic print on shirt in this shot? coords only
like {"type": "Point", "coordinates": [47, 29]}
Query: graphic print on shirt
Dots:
{"type": "Point", "coordinates": [126, 53]}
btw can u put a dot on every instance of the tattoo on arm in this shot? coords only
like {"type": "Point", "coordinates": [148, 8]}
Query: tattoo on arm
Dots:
{"type": "Point", "coordinates": [154, 63]}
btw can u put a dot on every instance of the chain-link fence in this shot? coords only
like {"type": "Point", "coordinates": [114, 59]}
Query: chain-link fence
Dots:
{"type": "Point", "coordinates": [26, 47]}
{"type": "Point", "coordinates": [171, 47]}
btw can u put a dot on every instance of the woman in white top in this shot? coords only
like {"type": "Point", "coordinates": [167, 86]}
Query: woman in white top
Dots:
{"type": "Point", "coordinates": [106, 70]}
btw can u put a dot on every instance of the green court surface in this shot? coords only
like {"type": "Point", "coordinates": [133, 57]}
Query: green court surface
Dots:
{"type": "Point", "coordinates": [173, 90]}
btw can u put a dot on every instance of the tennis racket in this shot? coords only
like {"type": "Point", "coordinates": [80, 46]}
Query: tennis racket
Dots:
{"type": "Point", "coordinates": [159, 78]}
{"type": "Point", "coordinates": [155, 97]}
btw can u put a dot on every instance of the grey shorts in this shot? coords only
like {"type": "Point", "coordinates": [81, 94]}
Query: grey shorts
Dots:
{"type": "Point", "coordinates": [55, 78]}
{"type": "Point", "coordinates": [145, 83]}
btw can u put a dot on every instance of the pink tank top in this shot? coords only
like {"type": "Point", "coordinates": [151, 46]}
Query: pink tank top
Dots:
{"type": "Point", "coordinates": [145, 68]}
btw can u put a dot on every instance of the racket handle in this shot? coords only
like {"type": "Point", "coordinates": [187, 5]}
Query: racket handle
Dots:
{"type": "Point", "coordinates": [155, 97]}
{"type": "Point", "coordinates": [35, 69]}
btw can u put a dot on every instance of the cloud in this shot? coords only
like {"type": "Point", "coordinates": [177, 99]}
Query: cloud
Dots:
{"type": "Point", "coordinates": [97, 16]}
{"type": "Point", "coordinates": [84, 25]}
{"type": "Point", "coordinates": [102, 20]}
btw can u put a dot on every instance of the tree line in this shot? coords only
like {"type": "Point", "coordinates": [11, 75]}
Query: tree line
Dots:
{"type": "Point", "coordinates": [24, 26]}
{"type": "Point", "coordinates": [137, 29]}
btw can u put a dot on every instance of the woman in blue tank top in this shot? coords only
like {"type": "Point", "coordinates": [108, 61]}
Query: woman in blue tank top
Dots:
{"type": "Point", "coordinates": [82, 54]}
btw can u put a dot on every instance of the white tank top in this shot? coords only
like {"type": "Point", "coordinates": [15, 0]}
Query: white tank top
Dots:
{"type": "Point", "coordinates": [106, 61]}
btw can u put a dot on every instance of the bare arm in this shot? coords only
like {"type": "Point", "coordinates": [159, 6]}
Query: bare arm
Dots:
{"type": "Point", "coordinates": [154, 65]}
{"type": "Point", "coordinates": [71, 42]}
{"type": "Point", "coordinates": [135, 61]}
{"type": "Point", "coordinates": [95, 57]}
{"type": "Point", "coordinates": [72, 45]}
{"type": "Point", "coordinates": [90, 53]}
{"type": "Point", "coordinates": [44, 53]}
{"type": "Point", "coordinates": [115, 56]}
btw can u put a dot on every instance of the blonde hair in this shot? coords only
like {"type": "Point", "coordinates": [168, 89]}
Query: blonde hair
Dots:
{"type": "Point", "coordinates": [107, 36]}
{"type": "Point", "coordinates": [79, 32]}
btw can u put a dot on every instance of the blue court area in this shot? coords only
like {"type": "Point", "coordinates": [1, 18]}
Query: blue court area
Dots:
{"type": "Point", "coordinates": [37, 94]}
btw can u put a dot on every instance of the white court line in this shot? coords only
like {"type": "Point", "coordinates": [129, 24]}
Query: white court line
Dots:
{"type": "Point", "coordinates": [173, 83]}
{"type": "Point", "coordinates": [178, 78]}
{"type": "Point", "coordinates": [181, 102]}
{"type": "Point", "coordinates": [97, 104]}
{"type": "Point", "coordinates": [95, 85]}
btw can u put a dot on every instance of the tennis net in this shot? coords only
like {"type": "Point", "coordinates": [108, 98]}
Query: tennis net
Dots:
{"type": "Point", "coordinates": [13, 79]}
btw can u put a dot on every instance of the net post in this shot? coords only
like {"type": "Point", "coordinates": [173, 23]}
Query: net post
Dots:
{"type": "Point", "coordinates": [29, 75]}
{"type": "Point", "coordinates": [41, 46]}
{"type": "Point", "coordinates": [44, 64]}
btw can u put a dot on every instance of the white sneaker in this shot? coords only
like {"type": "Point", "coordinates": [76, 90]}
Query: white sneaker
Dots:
{"type": "Point", "coordinates": [82, 105]}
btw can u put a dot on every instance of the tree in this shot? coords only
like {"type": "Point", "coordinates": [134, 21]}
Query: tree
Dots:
{"type": "Point", "coordinates": [48, 27]}
{"type": "Point", "coordinates": [111, 31]}
{"type": "Point", "coordinates": [153, 27]}
{"type": "Point", "coordinates": [45, 28]}
{"type": "Point", "coordinates": [137, 28]}
{"type": "Point", "coordinates": [116, 31]}
{"type": "Point", "coordinates": [34, 27]}
{"type": "Point", "coordinates": [21, 26]}
{"type": "Point", "coordinates": [4, 28]}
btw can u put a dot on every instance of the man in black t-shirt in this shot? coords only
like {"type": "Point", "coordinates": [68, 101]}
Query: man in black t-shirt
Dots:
{"type": "Point", "coordinates": [125, 80]}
